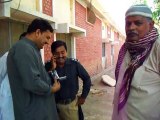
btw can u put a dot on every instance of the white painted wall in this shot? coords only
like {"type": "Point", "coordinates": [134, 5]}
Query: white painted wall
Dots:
{"type": "Point", "coordinates": [31, 4]}
{"type": "Point", "coordinates": [112, 34]}
{"type": "Point", "coordinates": [73, 47]}
{"type": "Point", "coordinates": [104, 32]}
{"type": "Point", "coordinates": [61, 11]}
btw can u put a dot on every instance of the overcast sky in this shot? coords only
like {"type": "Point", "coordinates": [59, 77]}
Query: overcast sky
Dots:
{"type": "Point", "coordinates": [117, 9]}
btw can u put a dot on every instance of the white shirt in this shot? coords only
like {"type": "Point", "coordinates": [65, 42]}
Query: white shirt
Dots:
{"type": "Point", "coordinates": [6, 103]}
{"type": "Point", "coordinates": [144, 99]}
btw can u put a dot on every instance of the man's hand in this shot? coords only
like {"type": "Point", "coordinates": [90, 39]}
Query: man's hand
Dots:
{"type": "Point", "coordinates": [80, 100]}
{"type": "Point", "coordinates": [56, 86]}
{"type": "Point", "coordinates": [53, 62]}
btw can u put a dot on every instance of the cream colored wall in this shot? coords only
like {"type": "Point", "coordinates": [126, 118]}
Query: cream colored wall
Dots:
{"type": "Point", "coordinates": [61, 11]}
{"type": "Point", "coordinates": [104, 31]}
{"type": "Point", "coordinates": [28, 4]}
{"type": "Point", "coordinates": [72, 12]}
{"type": "Point", "coordinates": [112, 34]}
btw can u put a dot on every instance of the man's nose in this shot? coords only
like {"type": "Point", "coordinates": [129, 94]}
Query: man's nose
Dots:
{"type": "Point", "coordinates": [47, 41]}
{"type": "Point", "coordinates": [132, 26]}
{"type": "Point", "coordinates": [60, 55]}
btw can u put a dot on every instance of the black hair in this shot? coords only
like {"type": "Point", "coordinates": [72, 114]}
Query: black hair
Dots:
{"type": "Point", "coordinates": [41, 24]}
{"type": "Point", "coordinates": [22, 35]}
{"type": "Point", "coordinates": [48, 65]}
{"type": "Point", "coordinates": [57, 44]}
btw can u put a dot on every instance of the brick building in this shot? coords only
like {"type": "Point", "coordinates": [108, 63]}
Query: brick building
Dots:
{"type": "Point", "coordinates": [90, 35]}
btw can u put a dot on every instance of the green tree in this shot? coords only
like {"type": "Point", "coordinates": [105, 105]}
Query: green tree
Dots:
{"type": "Point", "coordinates": [156, 12]}
{"type": "Point", "coordinates": [140, 1]}
{"type": "Point", "coordinates": [155, 8]}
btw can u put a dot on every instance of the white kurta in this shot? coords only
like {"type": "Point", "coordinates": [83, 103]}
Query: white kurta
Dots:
{"type": "Point", "coordinates": [6, 104]}
{"type": "Point", "coordinates": [144, 99]}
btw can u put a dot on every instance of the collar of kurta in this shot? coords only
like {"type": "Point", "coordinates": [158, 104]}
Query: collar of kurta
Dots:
{"type": "Point", "coordinates": [31, 43]}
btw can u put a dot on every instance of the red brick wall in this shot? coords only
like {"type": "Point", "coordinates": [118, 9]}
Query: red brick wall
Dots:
{"type": "Point", "coordinates": [47, 50]}
{"type": "Point", "coordinates": [117, 48]}
{"type": "Point", "coordinates": [89, 48]}
{"type": "Point", "coordinates": [108, 54]}
{"type": "Point", "coordinates": [47, 7]}
{"type": "Point", "coordinates": [116, 51]}
{"type": "Point", "coordinates": [121, 42]}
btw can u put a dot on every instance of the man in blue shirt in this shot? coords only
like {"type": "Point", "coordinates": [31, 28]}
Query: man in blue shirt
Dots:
{"type": "Point", "coordinates": [68, 103]}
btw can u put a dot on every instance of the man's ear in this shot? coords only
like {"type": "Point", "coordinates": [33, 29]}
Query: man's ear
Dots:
{"type": "Point", "coordinates": [37, 32]}
{"type": "Point", "coordinates": [151, 25]}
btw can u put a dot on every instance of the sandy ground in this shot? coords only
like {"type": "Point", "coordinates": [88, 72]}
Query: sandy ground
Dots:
{"type": "Point", "coordinates": [98, 105]}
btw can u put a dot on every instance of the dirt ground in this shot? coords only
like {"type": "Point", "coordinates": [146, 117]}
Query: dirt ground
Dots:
{"type": "Point", "coordinates": [98, 105]}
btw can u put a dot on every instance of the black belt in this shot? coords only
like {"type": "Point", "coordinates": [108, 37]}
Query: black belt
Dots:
{"type": "Point", "coordinates": [66, 101]}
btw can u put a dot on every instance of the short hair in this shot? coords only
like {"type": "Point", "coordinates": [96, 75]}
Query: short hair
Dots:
{"type": "Point", "coordinates": [41, 24]}
{"type": "Point", "coordinates": [57, 44]}
{"type": "Point", "coordinates": [22, 35]}
{"type": "Point", "coordinates": [48, 65]}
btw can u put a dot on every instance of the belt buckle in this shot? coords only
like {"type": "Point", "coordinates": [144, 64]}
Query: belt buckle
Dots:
{"type": "Point", "coordinates": [67, 101]}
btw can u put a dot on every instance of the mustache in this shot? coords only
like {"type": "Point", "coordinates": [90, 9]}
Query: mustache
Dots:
{"type": "Point", "coordinates": [132, 33]}
{"type": "Point", "coordinates": [60, 58]}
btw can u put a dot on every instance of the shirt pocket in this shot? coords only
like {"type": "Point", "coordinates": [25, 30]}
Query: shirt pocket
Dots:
{"type": "Point", "coordinates": [150, 75]}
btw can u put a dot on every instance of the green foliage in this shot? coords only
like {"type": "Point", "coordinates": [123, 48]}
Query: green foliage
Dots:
{"type": "Point", "coordinates": [156, 12]}
{"type": "Point", "coordinates": [156, 1]}
{"type": "Point", "coordinates": [140, 1]}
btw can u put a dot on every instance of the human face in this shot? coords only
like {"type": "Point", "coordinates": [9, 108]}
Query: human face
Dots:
{"type": "Point", "coordinates": [137, 27]}
{"type": "Point", "coordinates": [60, 55]}
{"type": "Point", "coordinates": [43, 38]}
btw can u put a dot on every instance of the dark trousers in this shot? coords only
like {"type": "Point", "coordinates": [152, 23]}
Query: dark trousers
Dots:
{"type": "Point", "coordinates": [80, 112]}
